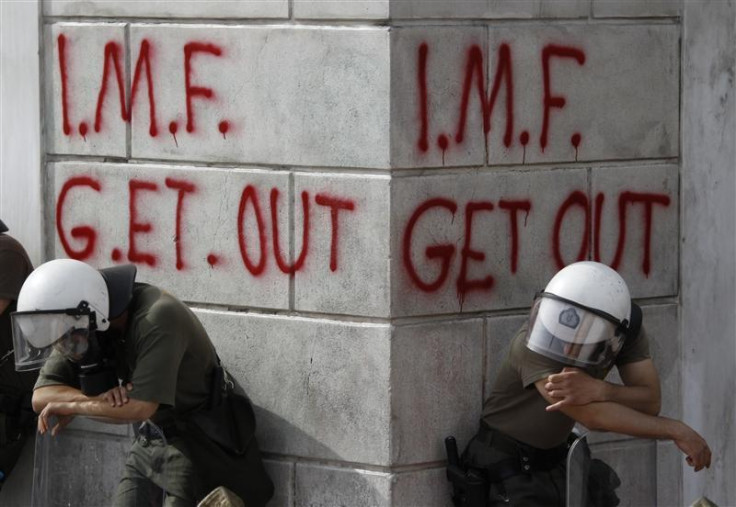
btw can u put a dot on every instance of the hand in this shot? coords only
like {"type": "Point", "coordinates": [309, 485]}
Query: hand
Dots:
{"type": "Point", "coordinates": [117, 396]}
{"type": "Point", "coordinates": [59, 413]}
{"type": "Point", "coordinates": [573, 386]}
{"type": "Point", "coordinates": [695, 448]}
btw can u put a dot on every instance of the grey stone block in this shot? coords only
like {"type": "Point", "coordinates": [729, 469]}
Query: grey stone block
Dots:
{"type": "Point", "coordinates": [639, 220]}
{"type": "Point", "coordinates": [347, 269]}
{"type": "Point", "coordinates": [169, 9]}
{"type": "Point", "coordinates": [489, 9]}
{"type": "Point", "coordinates": [282, 475]}
{"type": "Point", "coordinates": [320, 485]}
{"type": "Point", "coordinates": [670, 465]}
{"type": "Point", "coordinates": [413, 9]}
{"type": "Point", "coordinates": [443, 81]}
{"type": "Point", "coordinates": [336, 79]}
{"type": "Point", "coordinates": [420, 128]}
{"type": "Point", "coordinates": [635, 8]}
{"type": "Point", "coordinates": [436, 372]}
{"type": "Point", "coordinates": [428, 488]}
{"type": "Point", "coordinates": [321, 388]}
{"type": "Point", "coordinates": [595, 81]}
{"type": "Point", "coordinates": [499, 333]}
{"type": "Point", "coordinates": [662, 326]}
{"type": "Point", "coordinates": [356, 9]}
{"type": "Point", "coordinates": [194, 231]}
{"type": "Point", "coordinates": [72, 95]}
{"type": "Point", "coordinates": [323, 486]}
{"type": "Point", "coordinates": [531, 231]}
{"type": "Point", "coordinates": [564, 8]}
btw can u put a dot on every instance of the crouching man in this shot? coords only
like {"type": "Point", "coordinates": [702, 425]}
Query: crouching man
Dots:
{"type": "Point", "coordinates": [125, 352]}
{"type": "Point", "coordinates": [582, 325]}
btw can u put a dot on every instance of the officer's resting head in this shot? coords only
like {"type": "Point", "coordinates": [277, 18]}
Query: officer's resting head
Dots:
{"type": "Point", "coordinates": [62, 306]}
{"type": "Point", "coordinates": [582, 316]}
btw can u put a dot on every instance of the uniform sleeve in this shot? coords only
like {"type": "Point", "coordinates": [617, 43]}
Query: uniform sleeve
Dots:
{"type": "Point", "coordinates": [57, 371]}
{"type": "Point", "coordinates": [530, 365]}
{"type": "Point", "coordinates": [535, 367]}
{"type": "Point", "coordinates": [12, 274]}
{"type": "Point", "coordinates": [159, 353]}
{"type": "Point", "coordinates": [634, 350]}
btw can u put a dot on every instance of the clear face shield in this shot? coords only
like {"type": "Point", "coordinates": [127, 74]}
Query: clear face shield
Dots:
{"type": "Point", "coordinates": [572, 333]}
{"type": "Point", "coordinates": [36, 334]}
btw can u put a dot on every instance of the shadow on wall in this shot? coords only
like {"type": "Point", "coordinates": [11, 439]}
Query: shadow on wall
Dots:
{"type": "Point", "coordinates": [302, 477]}
{"type": "Point", "coordinates": [278, 436]}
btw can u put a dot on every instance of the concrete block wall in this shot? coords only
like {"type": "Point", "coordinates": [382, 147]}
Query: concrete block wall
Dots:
{"type": "Point", "coordinates": [361, 198]}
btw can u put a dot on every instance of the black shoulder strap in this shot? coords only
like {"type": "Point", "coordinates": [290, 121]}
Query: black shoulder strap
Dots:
{"type": "Point", "coordinates": [635, 324]}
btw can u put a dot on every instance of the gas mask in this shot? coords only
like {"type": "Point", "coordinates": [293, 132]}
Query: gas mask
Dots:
{"type": "Point", "coordinates": [94, 362]}
{"type": "Point", "coordinates": [77, 341]}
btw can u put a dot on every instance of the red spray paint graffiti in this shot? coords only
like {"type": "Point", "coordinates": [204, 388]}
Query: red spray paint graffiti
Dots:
{"type": "Point", "coordinates": [473, 78]}
{"type": "Point", "coordinates": [190, 50]}
{"type": "Point", "coordinates": [282, 264]}
{"type": "Point", "coordinates": [474, 66]}
{"type": "Point", "coordinates": [580, 200]}
{"type": "Point", "coordinates": [444, 252]}
{"type": "Point", "coordinates": [112, 54]}
{"type": "Point", "coordinates": [61, 47]}
{"type": "Point", "coordinates": [113, 58]}
{"type": "Point", "coordinates": [550, 100]}
{"type": "Point", "coordinates": [249, 207]}
{"type": "Point", "coordinates": [135, 228]}
{"type": "Point", "coordinates": [463, 284]}
{"type": "Point", "coordinates": [513, 207]}
{"type": "Point", "coordinates": [183, 188]}
{"type": "Point", "coordinates": [648, 200]}
{"type": "Point", "coordinates": [250, 194]}
{"type": "Point", "coordinates": [144, 63]}
{"type": "Point", "coordinates": [503, 79]}
{"type": "Point", "coordinates": [431, 276]}
{"type": "Point", "coordinates": [86, 232]}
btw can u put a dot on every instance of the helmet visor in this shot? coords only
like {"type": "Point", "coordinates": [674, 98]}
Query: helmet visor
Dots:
{"type": "Point", "coordinates": [35, 332]}
{"type": "Point", "coordinates": [572, 334]}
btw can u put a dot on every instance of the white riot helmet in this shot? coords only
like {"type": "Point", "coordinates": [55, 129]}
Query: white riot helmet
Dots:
{"type": "Point", "coordinates": [62, 303]}
{"type": "Point", "coordinates": [582, 317]}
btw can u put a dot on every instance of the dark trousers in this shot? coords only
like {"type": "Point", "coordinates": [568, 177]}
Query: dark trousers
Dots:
{"type": "Point", "coordinates": [517, 474]}
{"type": "Point", "coordinates": [153, 467]}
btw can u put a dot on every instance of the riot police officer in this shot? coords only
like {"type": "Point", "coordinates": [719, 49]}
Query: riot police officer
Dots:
{"type": "Point", "coordinates": [580, 326]}
{"type": "Point", "coordinates": [124, 352]}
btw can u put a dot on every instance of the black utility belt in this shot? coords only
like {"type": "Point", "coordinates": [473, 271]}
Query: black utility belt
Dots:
{"type": "Point", "coordinates": [523, 458]}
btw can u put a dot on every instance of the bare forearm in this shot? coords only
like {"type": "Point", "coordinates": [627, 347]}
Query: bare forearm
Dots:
{"type": "Point", "coordinates": [607, 416]}
{"type": "Point", "coordinates": [133, 411]}
{"type": "Point", "coordinates": [615, 417]}
{"type": "Point", "coordinates": [67, 402]}
{"type": "Point", "coordinates": [618, 418]}
{"type": "Point", "coordinates": [644, 399]}
{"type": "Point", "coordinates": [56, 393]}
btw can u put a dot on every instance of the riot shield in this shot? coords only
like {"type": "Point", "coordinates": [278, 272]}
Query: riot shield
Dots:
{"type": "Point", "coordinates": [82, 465]}
{"type": "Point", "coordinates": [578, 461]}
